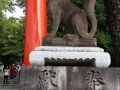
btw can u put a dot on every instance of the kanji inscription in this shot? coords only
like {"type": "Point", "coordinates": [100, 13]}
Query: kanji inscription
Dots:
{"type": "Point", "coordinates": [94, 80]}
{"type": "Point", "coordinates": [45, 79]}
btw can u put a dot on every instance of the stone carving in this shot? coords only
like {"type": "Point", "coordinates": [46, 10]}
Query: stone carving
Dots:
{"type": "Point", "coordinates": [102, 59]}
{"type": "Point", "coordinates": [94, 80]}
{"type": "Point", "coordinates": [45, 79]}
{"type": "Point", "coordinates": [69, 40]}
{"type": "Point", "coordinates": [69, 49]}
{"type": "Point", "coordinates": [70, 62]}
{"type": "Point", "coordinates": [73, 18]}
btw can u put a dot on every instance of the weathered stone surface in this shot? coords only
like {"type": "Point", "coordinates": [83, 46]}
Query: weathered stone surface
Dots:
{"type": "Point", "coordinates": [74, 19]}
{"type": "Point", "coordinates": [69, 40]}
{"type": "Point", "coordinates": [69, 49]}
{"type": "Point", "coordinates": [69, 78]}
{"type": "Point", "coordinates": [69, 56]}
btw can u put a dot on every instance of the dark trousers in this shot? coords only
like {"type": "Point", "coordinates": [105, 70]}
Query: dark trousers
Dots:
{"type": "Point", "coordinates": [5, 79]}
{"type": "Point", "coordinates": [19, 74]}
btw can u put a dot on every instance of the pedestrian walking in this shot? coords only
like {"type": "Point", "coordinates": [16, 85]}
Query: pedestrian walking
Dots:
{"type": "Point", "coordinates": [6, 75]}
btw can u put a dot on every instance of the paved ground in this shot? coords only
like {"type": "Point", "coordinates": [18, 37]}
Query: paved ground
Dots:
{"type": "Point", "coordinates": [14, 86]}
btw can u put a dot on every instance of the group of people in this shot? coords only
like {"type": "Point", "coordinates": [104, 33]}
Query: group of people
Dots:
{"type": "Point", "coordinates": [10, 73]}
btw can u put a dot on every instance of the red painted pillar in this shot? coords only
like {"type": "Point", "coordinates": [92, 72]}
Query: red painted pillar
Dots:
{"type": "Point", "coordinates": [44, 6]}
{"type": "Point", "coordinates": [35, 26]}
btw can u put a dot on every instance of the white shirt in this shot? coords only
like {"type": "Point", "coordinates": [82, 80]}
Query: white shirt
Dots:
{"type": "Point", "coordinates": [6, 72]}
{"type": "Point", "coordinates": [19, 68]}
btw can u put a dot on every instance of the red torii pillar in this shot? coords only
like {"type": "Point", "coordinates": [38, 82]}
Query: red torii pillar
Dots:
{"type": "Point", "coordinates": [35, 26]}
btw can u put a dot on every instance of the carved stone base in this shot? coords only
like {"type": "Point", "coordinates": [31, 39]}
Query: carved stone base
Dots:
{"type": "Point", "coordinates": [69, 40]}
{"type": "Point", "coordinates": [69, 78]}
{"type": "Point", "coordinates": [70, 56]}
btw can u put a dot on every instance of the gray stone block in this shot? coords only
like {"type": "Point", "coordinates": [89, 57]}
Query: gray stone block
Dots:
{"type": "Point", "coordinates": [69, 78]}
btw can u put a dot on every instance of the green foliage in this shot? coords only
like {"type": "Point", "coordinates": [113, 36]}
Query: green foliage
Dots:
{"type": "Point", "coordinates": [20, 3]}
{"type": "Point", "coordinates": [101, 15]}
{"type": "Point", "coordinates": [11, 34]}
{"type": "Point", "coordinates": [11, 38]}
{"type": "Point", "coordinates": [104, 40]}
{"type": "Point", "coordinates": [6, 5]}
{"type": "Point", "coordinates": [61, 31]}
{"type": "Point", "coordinates": [77, 2]}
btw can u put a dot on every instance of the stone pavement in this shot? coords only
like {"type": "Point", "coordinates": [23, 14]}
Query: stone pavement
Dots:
{"type": "Point", "coordinates": [14, 86]}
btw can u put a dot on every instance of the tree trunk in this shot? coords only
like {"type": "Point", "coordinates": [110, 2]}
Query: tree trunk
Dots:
{"type": "Point", "coordinates": [113, 14]}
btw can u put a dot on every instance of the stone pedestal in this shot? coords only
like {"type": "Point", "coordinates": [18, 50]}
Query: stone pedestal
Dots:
{"type": "Point", "coordinates": [67, 74]}
{"type": "Point", "coordinates": [70, 56]}
{"type": "Point", "coordinates": [69, 40]}
{"type": "Point", "coordinates": [69, 78]}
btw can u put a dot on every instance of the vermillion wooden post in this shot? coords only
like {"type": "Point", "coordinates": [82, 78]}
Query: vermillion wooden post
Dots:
{"type": "Point", "coordinates": [44, 18]}
{"type": "Point", "coordinates": [35, 26]}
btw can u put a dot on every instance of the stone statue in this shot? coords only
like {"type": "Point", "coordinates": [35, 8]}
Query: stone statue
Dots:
{"type": "Point", "coordinates": [74, 19]}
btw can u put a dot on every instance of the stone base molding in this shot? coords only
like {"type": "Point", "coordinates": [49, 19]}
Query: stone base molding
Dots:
{"type": "Point", "coordinates": [75, 56]}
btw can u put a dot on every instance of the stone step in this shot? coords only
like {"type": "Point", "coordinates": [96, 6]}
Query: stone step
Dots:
{"type": "Point", "coordinates": [9, 87]}
{"type": "Point", "coordinates": [9, 80]}
{"type": "Point", "coordinates": [9, 84]}
{"type": "Point", "coordinates": [14, 86]}
{"type": "Point", "coordinates": [15, 83]}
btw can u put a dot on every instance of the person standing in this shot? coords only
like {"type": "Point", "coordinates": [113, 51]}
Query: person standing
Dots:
{"type": "Point", "coordinates": [6, 75]}
{"type": "Point", "coordinates": [19, 70]}
{"type": "Point", "coordinates": [12, 73]}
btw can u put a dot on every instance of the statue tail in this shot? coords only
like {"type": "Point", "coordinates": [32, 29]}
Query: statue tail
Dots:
{"type": "Point", "coordinates": [88, 7]}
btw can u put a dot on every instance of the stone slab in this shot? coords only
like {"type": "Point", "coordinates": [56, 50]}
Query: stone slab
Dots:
{"type": "Point", "coordinates": [66, 56]}
{"type": "Point", "coordinates": [69, 41]}
{"type": "Point", "coordinates": [69, 78]}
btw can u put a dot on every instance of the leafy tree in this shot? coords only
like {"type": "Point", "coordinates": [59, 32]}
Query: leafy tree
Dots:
{"type": "Point", "coordinates": [12, 38]}
{"type": "Point", "coordinates": [11, 34]}
{"type": "Point", "coordinates": [6, 5]}
{"type": "Point", "coordinates": [20, 3]}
